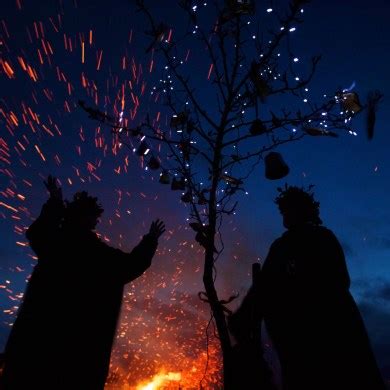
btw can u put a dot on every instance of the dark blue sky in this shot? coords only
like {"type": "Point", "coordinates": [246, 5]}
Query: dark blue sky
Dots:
{"type": "Point", "coordinates": [351, 174]}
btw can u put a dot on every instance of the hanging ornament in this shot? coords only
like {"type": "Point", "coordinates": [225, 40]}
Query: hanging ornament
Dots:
{"type": "Point", "coordinates": [142, 149]}
{"type": "Point", "coordinates": [231, 180]}
{"type": "Point", "coordinates": [202, 199]}
{"type": "Point", "coordinates": [275, 120]}
{"type": "Point", "coordinates": [179, 120]}
{"type": "Point", "coordinates": [316, 131]}
{"type": "Point", "coordinates": [178, 184]}
{"type": "Point", "coordinates": [187, 197]}
{"type": "Point", "coordinates": [373, 100]}
{"type": "Point", "coordinates": [241, 7]}
{"type": "Point", "coordinates": [262, 88]}
{"type": "Point", "coordinates": [202, 232]}
{"type": "Point", "coordinates": [350, 102]}
{"type": "Point", "coordinates": [153, 163]}
{"type": "Point", "coordinates": [185, 148]}
{"type": "Point", "coordinates": [257, 127]}
{"type": "Point", "coordinates": [164, 178]}
{"type": "Point", "coordinates": [275, 167]}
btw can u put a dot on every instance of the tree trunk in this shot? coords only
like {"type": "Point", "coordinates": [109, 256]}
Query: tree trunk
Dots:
{"type": "Point", "coordinates": [219, 317]}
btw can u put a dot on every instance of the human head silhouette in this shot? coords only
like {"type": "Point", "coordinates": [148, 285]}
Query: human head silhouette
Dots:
{"type": "Point", "coordinates": [298, 206]}
{"type": "Point", "coordinates": [83, 212]}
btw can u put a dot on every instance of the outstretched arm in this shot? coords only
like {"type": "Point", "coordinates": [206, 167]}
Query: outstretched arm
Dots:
{"type": "Point", "coordinates": [42, 232]}
{"type": "Point", "coordinates": [129, 266]}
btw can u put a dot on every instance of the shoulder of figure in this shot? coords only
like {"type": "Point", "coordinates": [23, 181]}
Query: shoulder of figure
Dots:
{"type": "Point", "coordinates": [325, 236]}
{"type": "Point", "coordinates": [278, 241]}
{"type": "Point", "coordinates": [323, 230]}
{"type": "Point", "coordinates": [103, 248]}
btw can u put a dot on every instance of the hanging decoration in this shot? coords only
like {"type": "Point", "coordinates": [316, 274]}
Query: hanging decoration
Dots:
{"type": "Point", "coordinates": [201, 198]}
{"type": "Point", "coordinates": [316, 131]}
{"type": "Point", "coordinates": [179, 120]}
{"type": "Point", "coordinates": [240, 7]}
{"type": "Point", "coordinates": [178, 184]}
{"type": "Point", "coordinates": [187, 197]}
{"type": "Point", "coordinates": [202, 232]}
{"type": "Point", "coordinates": [257, 127]}
{"type": "Point", "coordinates": [350, 102]}
{"type": "Point", "coordinates": [185, 148]}
{"type": "Point", "coordinates": [373, 99]}
{"type": "Point", "coordinates": [261, 86]}
{"type": "Point", "coordinates": [165, 178]}
{"type": "Point", "coordinates": [275, 167]}
{"type": "Point", "coordinates": [232, 180]}
{"type": "Point", "coordinates": [153, 163]}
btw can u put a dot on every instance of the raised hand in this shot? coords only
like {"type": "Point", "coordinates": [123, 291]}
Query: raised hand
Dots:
{"type": "Point", "coordinates": [54, 190]}
{"type": "Point", "coordinates": [157, 228]}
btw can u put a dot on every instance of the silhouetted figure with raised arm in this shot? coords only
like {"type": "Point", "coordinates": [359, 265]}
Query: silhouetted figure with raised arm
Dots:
{"type": "Point", "coordinates": [309, 313]}
{"type": "Point", "coordinates": [65, 327]}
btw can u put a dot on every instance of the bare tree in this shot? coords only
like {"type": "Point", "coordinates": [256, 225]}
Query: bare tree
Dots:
{"type": "Point", "coordinates": [252, 79]}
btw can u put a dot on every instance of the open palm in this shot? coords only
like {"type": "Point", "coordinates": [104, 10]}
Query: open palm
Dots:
{"type": "Point", "coordinates": [157, 228]}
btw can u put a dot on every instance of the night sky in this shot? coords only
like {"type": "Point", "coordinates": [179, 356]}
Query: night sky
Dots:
{"type": "Point", "coordinates": [43, 131]}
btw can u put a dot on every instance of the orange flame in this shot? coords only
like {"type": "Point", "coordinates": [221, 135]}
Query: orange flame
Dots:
{"type": "Point", "coordinates": [159, 380]}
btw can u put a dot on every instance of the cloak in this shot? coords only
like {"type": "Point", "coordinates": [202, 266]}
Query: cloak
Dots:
{"type": "Point", "coordinates": [311, 316]}
{"type": "Point", "coordinates": [65, 327]}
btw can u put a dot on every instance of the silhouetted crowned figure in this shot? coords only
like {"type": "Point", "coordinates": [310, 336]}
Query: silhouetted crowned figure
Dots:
{"type": "Point", "coordinates": [309, 313]}
{"type": "Point", "coordinates": [65, 327]}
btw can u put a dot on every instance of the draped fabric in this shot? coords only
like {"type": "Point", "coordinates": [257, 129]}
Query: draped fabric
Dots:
{"type": "Point", "coordinates": [310, 315]}
{"type": "Point", "coordinates": [65, 327]}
